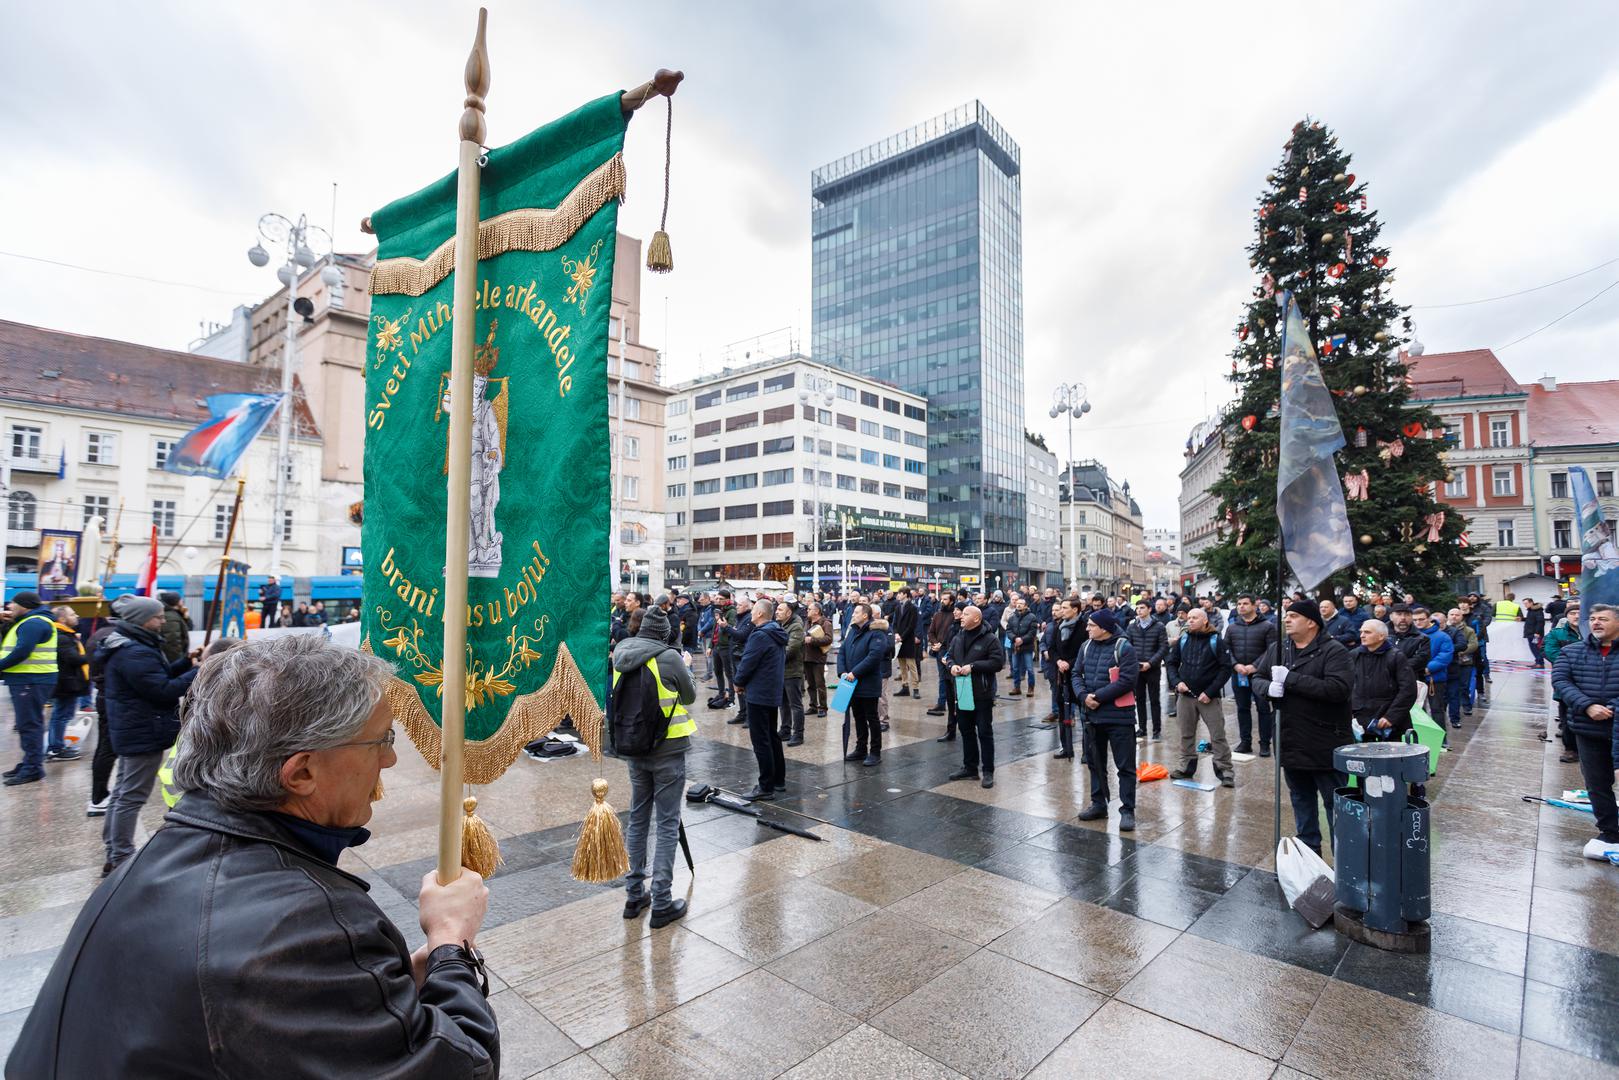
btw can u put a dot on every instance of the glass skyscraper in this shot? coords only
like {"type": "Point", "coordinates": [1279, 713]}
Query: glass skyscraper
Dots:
{"type": "Point", "coordinates": [917, 249]}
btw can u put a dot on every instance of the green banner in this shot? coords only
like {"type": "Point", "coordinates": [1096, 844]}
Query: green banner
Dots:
{"type": "Point", "coordinates": [536, 624]}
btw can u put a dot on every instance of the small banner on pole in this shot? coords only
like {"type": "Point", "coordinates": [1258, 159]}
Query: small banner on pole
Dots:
{"type": "Point", "coordinates": [1309, 496]}
{"type": "Point", "coordinates": [233, 613]}
{"type": "Point", "coordinates": [59, 564]}
{"type": "Point", "coordinates": [1599, 558]}
{"type": "Point", "coordinates": [536, 625]}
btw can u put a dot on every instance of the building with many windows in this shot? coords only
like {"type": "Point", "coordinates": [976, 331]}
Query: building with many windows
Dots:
{"type": "Point", "coordinates": [1040, 559]}
{"type": "Point", "coordinates": [1103, 521]}
{"type": "Point", "coordinates": [89, 423]}
{"type": "Point", "coordinates": [1485, 412]}
{"type": "Point", "coordinates": [1570, 424]}
{"type": "Point", "coordinates": [917, 280]}
{"type": "Point", "coordinates": [755, 457]}
{"type": "Point", "coordinates": [1200, 509]}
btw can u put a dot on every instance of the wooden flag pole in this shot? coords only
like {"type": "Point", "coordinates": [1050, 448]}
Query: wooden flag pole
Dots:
{"type": "Point", "coordinates": [112, 556]}
{"type": "Point", "coordinates": [216, 616]}
{"type": "Point", "coordinates": [463, 329]}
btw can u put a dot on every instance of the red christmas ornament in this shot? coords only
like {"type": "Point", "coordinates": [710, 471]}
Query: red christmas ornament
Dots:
{"type": "Point", "coordinates": [1380, 261]}
{"type": "Point", "coordinates": [1336, 270]}
{"type": "Point", "coordinates": [1264, 211]}
{"type": "Point", "coordinates": [1363, 204]}
{"type": "Point", "coordinates": [1242, 333]}
{"type": "Point", "coordinates": [1326, 346]}
{"type": "Point", "coordinates": [1249, 422]}
{"type": "Point", "coordinates": [1349, 181]}
{"type": "Point", "coordinates": [1340, 208]}
{"type": "Point", "coordinates": [1413, 429]}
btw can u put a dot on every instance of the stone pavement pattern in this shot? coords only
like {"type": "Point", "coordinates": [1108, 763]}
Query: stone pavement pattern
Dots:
{"type": "Point", "coordinates": [945, 930]}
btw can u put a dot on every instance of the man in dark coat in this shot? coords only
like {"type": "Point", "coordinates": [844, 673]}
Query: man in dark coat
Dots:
{"type": "Point", "coordinates": [1023, 631]}
{"type": "Point", "coordinates": [725, 619]}
{"type": "Point", "coordinates": [1585, 677]}
{"type": "Point", "coordinates": [1410, 641]}
{"type": "Point", "coordinates": [759, 681]}
{"type": "Point", "coordinates": [1067, 637]}
{"type": "Point", "coordinates": [1150, 641]}
{"type": "Point", "coordinates": [941, 625]}
{"type": "Point", "coordinates": [143, 691]}
{"type": "Point", "coordinates": [976, 652]}
{"type": "Point", "coordinates": [906, 622]}
{"type": "Point", "coordinates": [1199, 666]}
{"type": "Point", "coordinates": [1311, 680]}
{"type": "Point", "coordinates": [1247, 636]}
{"type": "Point", "coordinates": [792, 694]}
{"type": "Point", "coordinates": [1340, 627]}
{"type": "Point", "coordinates": [72, 682]}
{"type": "Point", "coordinates": [176, 627]}
{"type": "Point", "coordinates": [1385, 687]}
{"type": "Point", "coordinates": [1105, 671]}
{"type": "Point", "coordinates": [233, 945]}
{"type": "Point", "coordinates": [860, 661]}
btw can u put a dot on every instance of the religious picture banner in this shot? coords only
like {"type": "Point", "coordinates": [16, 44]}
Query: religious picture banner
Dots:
{"type": "Point", "coordinates": [233, 613]}
{"type": "Point", "coordinates": [1599, 551]}
{"type": "Point", "coordinates": [536, 624]}
{"type": "Point", "coordinates": [58, 564]}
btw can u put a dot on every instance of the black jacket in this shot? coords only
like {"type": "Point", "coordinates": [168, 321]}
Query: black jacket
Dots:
{"type": "Point", "coordinates": [1315, 700]}
{"type": "Point", "coordinates": [225, 947]}
{"type": "Point", "coordinates": [760, 672]}
{"type": "Point", "coordinates": [979, 648]}
{"type": "Point", "coordinates": [1583, 677]}
{"type": "Point", "coordinates": [143, 690]}
{"type": "Point", "coordinates": [1201, 661]}
{"type": "Point", "coordinates": [906, 621]}
{"type": "Point", "coordinates": [72, 680]}
{"type": "Point", "coordinates": [1025, 626]}
{"type": "Point", "coordinates": [1385, 686]}
{"type": "Point", "coordinates": [1417, 649]}
{"type": "Point", "coordinates": [1090, 675]}
{"type": "Point", "coordinates": [1151, 642]}
{"type": "Point", "coordinates": [1247, 641]}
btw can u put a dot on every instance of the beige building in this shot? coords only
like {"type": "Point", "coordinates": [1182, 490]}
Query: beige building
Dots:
{"type": "Point", "coordinates": [638, 464]}
{"type": "Point", "coordinates": [1200, 508]}
{"type": "Point", "coordinates": [1104, 523]}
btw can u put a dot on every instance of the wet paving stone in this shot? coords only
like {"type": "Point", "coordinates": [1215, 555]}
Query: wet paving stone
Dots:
{"type": "Point", "coordinates": [1482, 995]}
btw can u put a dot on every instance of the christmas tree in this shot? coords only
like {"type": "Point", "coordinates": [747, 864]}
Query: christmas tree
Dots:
{"type": "Point", "coordinates": [1316, 237]}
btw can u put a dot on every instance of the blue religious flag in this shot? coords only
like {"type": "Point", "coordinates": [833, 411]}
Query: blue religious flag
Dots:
{"type": "Point", "coordinates": [1309, 497]}
{"type": "Point", "coordinates": [1599, 561]}
{"type": "Point", "coordinates": [214, 448]}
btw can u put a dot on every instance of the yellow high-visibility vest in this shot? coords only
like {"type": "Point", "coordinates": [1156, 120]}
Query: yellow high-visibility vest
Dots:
{"type": "Point", "coordinates": [165, 777]}
{"type": "Point", "coordinates": [1508, 610]}
{"type": "Point", "coordinates": [680, 721]}
{"type": "Point", "coordinates": [42, 661]}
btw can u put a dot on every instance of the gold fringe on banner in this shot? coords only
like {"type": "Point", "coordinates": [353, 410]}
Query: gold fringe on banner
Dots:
{"type": "Point", "coordinates": [535, 229]}
{"type": "Point", "coordinates": [533, 716]}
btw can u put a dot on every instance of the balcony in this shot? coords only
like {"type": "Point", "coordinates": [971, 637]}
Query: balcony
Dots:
{"type": "Point", "coordinates": [23, 538]}
{"type": "Point", "coordinates": [35, 464]}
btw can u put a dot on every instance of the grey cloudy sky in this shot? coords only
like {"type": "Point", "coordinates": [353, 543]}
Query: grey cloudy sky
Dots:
{"type": "Point", "coordinates": [148, 138]}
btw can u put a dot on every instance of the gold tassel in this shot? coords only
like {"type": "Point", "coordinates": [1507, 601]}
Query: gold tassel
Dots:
{"type": "Point", "coordinates": [600, 856]}
{"type": "Point", "coordinates": [479, 851]}
{"type": "Point", "coordinates": [659, 259]}
{"type": "Point", "coordinates": [376, 792]}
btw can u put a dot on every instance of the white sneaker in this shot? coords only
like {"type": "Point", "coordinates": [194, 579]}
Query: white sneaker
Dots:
{"type": "Point", "coordinates": [99, 809]}
{"type": "Point", "coordinates": [1600, 850]}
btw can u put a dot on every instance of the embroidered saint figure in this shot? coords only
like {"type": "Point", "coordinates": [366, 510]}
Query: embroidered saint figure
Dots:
{"type": "Point", "coordinates": [488, 458]}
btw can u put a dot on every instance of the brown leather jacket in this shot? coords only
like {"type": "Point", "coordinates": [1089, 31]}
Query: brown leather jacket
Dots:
{"type": "Point", "coordinates": [815, 651]}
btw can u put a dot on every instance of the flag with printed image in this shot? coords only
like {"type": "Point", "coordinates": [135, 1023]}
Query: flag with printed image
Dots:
{"type": "Point", "coordinates": [1599, 559]}
{"type": "Point", "coordinates": [214, 448]}
{"type": "Point", "coordinates": [1310, 507]}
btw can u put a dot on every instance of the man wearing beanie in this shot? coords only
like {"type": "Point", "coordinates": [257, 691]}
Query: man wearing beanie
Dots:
{"type": "Point", "coordinates": [143, 691]}
{"type": "Point", "coordinates": [1308, 677]}
{"type": "Point", "coordinates": [28, 665]}
{"type": "Point", "coordinates": [658, 779]}
{"type": "Point", "coordinates": [176, 627]}
{"type": "Point", "coordinates": [1105, 671]}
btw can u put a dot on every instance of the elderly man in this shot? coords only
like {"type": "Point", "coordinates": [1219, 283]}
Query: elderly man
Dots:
{"type": "Point", "coordinates": [1310, 679]}
{"type": "Point", "coordinates": [1340, 627]}
{"type": "Point", "coordinates": [1199, 667]}
{"type": "Point", "coordinates": [1585, 677]}
{"type": "Point", "coordinates": [760, 683]}
{"type": "Point", "coordinates": [1385, 687]}
{"type": "Point", "coordinates": [255, 955]}
{"type": "Point", "coordinates": [976, 652]}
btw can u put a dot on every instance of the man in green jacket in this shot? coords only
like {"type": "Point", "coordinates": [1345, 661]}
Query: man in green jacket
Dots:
{"type": "Point", "coordinates": [1566, 632]}
{"type": "Point", "coordinates": [176, 627]}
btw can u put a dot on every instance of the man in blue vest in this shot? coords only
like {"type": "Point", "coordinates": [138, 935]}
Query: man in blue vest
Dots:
{"type": "Point", "coordinates": [658, 780]}
{"type": "Point", "coordinates": [28, 665]}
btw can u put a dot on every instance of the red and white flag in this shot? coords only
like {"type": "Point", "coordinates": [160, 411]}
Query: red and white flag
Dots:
{"type": "Point", "coordinates": [146, 580]}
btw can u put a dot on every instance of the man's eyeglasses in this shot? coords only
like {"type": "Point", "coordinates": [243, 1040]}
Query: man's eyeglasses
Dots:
{"type": "Point", "coordinates": [387, 740]}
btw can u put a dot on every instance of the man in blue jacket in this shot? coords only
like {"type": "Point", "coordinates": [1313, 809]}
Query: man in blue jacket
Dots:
{"type": "Point", "coordinates": [1441, 651]}
{"type": "Point", "coordinates": [1340, 627]}
{"type": "Point", "coordinates": [1585, 677]}
{"type": "Point", "coordinates": [760, 681]}
{"type": "Point", "coordinates": [860, 661]}
{"type": "Point", "coordinates": [143, 689]}
{"type": "Point", "coordinates": [1106, 670]}
{"type": "Point", "coordinates": [1354, 612]}
{"type": "Point", "coordinates": [28, 665]}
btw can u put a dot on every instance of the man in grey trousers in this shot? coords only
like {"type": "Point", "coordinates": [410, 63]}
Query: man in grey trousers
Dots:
{"type": "Point", "coordinates": [658, 780]}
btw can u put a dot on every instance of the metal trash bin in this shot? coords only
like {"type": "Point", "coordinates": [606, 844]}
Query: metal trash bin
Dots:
{"type": "Point", "coordinates": [1380, 846]}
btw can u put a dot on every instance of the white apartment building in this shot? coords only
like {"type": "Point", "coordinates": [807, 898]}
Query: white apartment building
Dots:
{"type": "Point", "coordinates": [1205, 461]}
{"type": "Point", "coordinates": [88, 424]}
{"type": "Point", "coordinates": [1040, 558]}
{"type": "Point", "coordinates": [754, 457]}
{"type": "Point", "coordinates": [1167, 541]}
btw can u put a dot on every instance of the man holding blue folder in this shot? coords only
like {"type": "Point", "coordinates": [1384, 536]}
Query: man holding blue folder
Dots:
{"type": "Point", "coordinates": [975, 656]}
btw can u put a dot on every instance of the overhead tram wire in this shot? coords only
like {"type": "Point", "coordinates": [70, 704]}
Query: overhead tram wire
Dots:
{"type": "Point", "coordinates": [1520, 292]}
{"type": "Point", "coordinates": [122, 274]}
{"type": "Point", "coordinates": [1559, 318]}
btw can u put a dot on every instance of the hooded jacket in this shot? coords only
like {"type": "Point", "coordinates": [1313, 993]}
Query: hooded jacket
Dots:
{"type": "Point", "coordinates": [1441, 651]}
{"type": "Point", "coordinates": [143, 690]}
{"type": "Point", "coordinates": [764, 657]}
{"type": "Point", "coordinates": [632, 653]}
{"type": "Point", "coordinates": [861, 654]}
{"type": "Point", "coordinates": [72, 670]}
{"type": "Point", "coordinates": [1315, 705]}
{"type": "Point", "coordinates": [176, 634]}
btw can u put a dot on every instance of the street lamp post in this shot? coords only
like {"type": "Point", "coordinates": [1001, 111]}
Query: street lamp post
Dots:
{"type": "Point", "coordinates": [1071, 398]}
{"type": "Point", "coordinates": [816, 388]}
{"type": "Point", "coordinates": [300, 256]}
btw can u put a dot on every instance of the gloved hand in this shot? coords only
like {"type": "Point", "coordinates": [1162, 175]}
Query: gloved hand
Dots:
{"type": "Point", "coordinates": [1278, 675]}
{"type": "Point", "coordinates": [1275, 690]}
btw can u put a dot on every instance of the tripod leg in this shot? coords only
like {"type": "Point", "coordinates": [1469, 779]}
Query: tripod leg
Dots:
{"type": "Point", "coordinates": [685, 847]}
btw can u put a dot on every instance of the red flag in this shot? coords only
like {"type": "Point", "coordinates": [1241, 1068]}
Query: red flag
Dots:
{"type": "Point", "coordinates": [146, 580]}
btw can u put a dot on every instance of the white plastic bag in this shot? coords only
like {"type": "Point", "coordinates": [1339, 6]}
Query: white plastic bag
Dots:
{"type": "Point", "coordinates": [78, 729]}
{"type": "Point", "coordinates": [1297, 866]}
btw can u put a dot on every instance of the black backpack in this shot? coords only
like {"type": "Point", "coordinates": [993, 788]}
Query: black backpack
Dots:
{"type": "Point", "coordinates": [639, 723]}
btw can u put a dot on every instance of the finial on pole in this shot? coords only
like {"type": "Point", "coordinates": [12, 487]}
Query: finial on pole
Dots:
{"type": "Point", "coordinates": [472, 127]}
{"type": "Point", "coordinates": [662, 84]}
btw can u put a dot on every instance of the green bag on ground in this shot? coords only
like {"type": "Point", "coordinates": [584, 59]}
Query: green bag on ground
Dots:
{"type": "Point", "coordinates": [1428, 733]}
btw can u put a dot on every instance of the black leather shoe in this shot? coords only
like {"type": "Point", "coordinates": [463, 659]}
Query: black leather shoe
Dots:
{"type": "Point", "coordinates": [633, 908]}
{"type": "Point", "coordinates": [759, 794]}
{"type": "Point", "coordinates": [1182, 774]}
{"type": "Point", "coordinates": [964, 774]}
{"type": "Point", "coordinates": [664, 916]}
{"type": "Point", "coordinates": [737, 720]}
{"type": "Point", "coordinates": [1264, 751]}
{"type": "Point", "coordinates": [855, 755]}
{"type": "Point", "coordinates": [989, 779]}
{"type": "Point", "coordinates": [1243, 748]}
{"type": "Point", "coordinates": [935, 712]}
{"type": "Point", "coordinates": [1094, 812]}
{"type": "Point", "coordinates": [797, 740]}
{"type": "Point", "coordinates": [23, 778]}
{"type": "Point", "coordinates": [945, 738]}
{"type": "Point", "coordinates": [1127, 821]}
{"type": "Point", "coordinates": [1063, 754]}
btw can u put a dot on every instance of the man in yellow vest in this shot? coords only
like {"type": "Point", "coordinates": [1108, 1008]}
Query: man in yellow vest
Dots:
{"type": "Point", "coordinates": [28, 665]}
{"type": "Point", "coordinates": [658, 779]}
